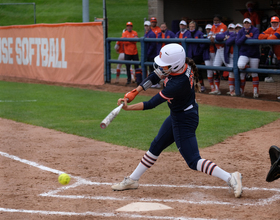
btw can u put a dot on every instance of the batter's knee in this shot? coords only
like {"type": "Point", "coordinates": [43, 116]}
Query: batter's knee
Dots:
{"type": "Point", "coordinates": [193, 163]}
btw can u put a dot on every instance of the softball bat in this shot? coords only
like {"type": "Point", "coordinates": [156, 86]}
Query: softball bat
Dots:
{"type": "Point", "coordinates": [110, 117]}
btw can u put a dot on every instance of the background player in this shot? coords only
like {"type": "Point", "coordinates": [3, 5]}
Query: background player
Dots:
{"type": "Point", "coordinates": [120, 50]}
{"type": "Point", "coordinates": [195, 51]}
{"type": "Point", "coordinates": [165, 33]}
{"type": "Point", "coordinates": [229, 36]}
{"type": "Point", "coordinates": [130, 49]}
{"type": "Point", "coordinates": [217, 28]}
{"type": "Point", "coordinates": [208, 56]}
{"type": "Point", "coordinates": [248, 54]}
{"type": "Point", "coordinates": [154, 27]}
{"type": "Point", "coordinates": [180, 126]}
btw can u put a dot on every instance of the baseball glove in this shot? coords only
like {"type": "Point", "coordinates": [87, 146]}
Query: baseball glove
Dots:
{"type": "Point", "coordinates": [274, 172]}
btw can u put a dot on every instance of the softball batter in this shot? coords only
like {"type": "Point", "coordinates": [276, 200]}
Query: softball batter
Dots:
{"type": "Point", "coordinates": [180, 126]}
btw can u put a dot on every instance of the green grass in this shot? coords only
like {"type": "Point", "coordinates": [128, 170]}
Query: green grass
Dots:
{"type": "Point", "coordinates": [52, 11]}
{"type": "Point", "coordinates": [80, 111]}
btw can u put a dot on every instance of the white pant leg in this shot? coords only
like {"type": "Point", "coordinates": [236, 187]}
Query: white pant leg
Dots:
{"type": "Point", "coordinates": [242, 61]}
{"type": "Point", "coordinates": [121, 57]}
{"type": "Point", "coordinates": [219, 57]}
{"type": "Point", "coordinates": [210, 63]}
{"type": "Point", "coordinates": [230, 64]}
{"type": "Point", "coordinates": [254, 63]}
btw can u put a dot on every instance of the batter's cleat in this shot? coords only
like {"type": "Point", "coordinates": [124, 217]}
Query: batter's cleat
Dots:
{"type": "Point", "coordinates": [235, 182]}
{"type": "Point", "coordinates": [127, 183]}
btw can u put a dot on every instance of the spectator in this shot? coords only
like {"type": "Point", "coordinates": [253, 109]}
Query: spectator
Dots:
{"type": "Point", "coordinates": [151, 48]}
{"type": "Point", "coordinates": [119, 47]}
{"type": "Point", "coordinates": [195, 51]}
{"type": "Point", "coordinates": [238, 27]}
{"type": "Point", "coordinates": [248, 53]}
{"type": "Point", "coordinates": [208, 56]}
{"type": "Point", "coordinates": [252, 14]}
{"type": "Point", "coordinates": [229, 38]}
{"type": "Point", "coordinates": [130, 49]}
{"type": "Point", "coordinates": [217, 28]}
{"type": "Point", "coordinates": [273, 33]}
{"type": "Point", "coordinates": [154, 27]}
{"type": "Point", "coordinates": [165, 33]}
{"type": "Point", "coordinates": [183, 33]}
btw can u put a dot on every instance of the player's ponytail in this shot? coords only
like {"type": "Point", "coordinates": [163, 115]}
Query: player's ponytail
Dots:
{"type": "Point", "coordinates": [191, 63]}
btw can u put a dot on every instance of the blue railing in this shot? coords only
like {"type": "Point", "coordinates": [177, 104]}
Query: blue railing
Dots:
{"type": "Point", "coordinates": [184, 42]}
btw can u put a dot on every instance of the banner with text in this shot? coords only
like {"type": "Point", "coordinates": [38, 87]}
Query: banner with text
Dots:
{"type": "Point", "coordinates": [67, 53]}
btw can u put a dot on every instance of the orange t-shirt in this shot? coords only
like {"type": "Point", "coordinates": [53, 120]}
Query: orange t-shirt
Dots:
{"type": "Point", "coordinates": [129, 46]}
{"type": "Point", "coordinates": [121, 46]}
{"type": "Point", "coordinates": [267, 33]}
{"type": "Point", "coordinates": [218, 30]}
{"type": "Point", "coordinates": [156, 30]}
{"type": "Point", "coordinates": [273, 36]}
{"type": "Point", "coordinates": [254, 17]}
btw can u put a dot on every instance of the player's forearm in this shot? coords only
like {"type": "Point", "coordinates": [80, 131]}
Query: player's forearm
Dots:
{"type": "Point", "coordinates": [135, 107]}
{"type": "Point", "coordinates": [139, 88]}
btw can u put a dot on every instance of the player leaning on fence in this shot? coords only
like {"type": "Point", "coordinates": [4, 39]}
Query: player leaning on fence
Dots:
{"type": "Point", "coordinates": [217, 28]}
{"type": "Point", "coordinates": [273, 33]}
{"type": "Point", "coordinates": [248, 54]}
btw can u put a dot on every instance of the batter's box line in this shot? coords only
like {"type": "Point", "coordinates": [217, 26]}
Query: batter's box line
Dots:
{"type": "Point", "coordinates": [81, 181]}
{"type": "Point", "coordinates": [98, 214]}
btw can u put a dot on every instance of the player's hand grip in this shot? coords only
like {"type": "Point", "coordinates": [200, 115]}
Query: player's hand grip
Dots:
{"type": "Point", "coordinates": [131, 95]}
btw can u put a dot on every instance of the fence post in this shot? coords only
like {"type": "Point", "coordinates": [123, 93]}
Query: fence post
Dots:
{"type": "Point", "coordinates": [185, 45]}
{"type": "Point", "coordinates": [108, 65]}
{"type": "Point", "coordinates": [143, 58]}
{"type": "Point", "coordinates": [236, 70]}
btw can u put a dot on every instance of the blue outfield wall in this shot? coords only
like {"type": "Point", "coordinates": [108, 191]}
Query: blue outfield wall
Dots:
{"type": "Point", "coordinates": [185, 43]}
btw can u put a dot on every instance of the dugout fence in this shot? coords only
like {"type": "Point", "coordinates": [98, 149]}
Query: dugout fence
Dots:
{"type": "Point", "coordinates": [185, 42]}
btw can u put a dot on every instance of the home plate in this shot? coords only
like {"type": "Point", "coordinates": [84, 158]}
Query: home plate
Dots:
{"type": "Point", "coordinates": [143, 206]}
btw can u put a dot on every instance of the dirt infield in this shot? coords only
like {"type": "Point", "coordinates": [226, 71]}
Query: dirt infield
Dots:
{"type": "Point", "coordinates": [32, 157]}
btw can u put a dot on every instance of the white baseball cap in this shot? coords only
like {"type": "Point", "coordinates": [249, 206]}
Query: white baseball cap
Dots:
{"type": "Point", "coordinates": [238, 25]}
{"type": "Point", "coordinates": [208, 26]}
{"type": "Point", "coordinates": [248, 20]}
{"type": "Point", "coordinates": [183, 22]}
{"type": "Point", "coordinates": [147, 23]}
{"type": "Point", "coordinates": [231, 25]}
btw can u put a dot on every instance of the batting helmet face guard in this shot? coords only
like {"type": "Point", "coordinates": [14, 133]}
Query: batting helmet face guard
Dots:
{"type": "Point", "coordinates": [171, 58]}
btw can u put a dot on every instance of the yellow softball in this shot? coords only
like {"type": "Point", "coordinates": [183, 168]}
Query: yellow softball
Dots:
{"type": "Point", "coordinates": [64, 179]}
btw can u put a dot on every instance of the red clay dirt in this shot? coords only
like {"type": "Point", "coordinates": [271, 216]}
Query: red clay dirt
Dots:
{"type": "Point", "coordinates": [95, 166]}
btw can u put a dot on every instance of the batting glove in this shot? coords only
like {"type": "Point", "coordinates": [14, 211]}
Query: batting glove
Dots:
{"type": "Point", "coordinates": [131, 95]}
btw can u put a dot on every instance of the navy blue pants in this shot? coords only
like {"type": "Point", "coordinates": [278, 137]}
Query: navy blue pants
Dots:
{"type": "Point", "coordinates": [179, 127]}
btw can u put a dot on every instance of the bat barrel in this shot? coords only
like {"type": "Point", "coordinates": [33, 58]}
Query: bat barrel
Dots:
{"type": "Point", "coordinates": [103, 125]}
{"type": "Point", "coordinates": [110, 117]}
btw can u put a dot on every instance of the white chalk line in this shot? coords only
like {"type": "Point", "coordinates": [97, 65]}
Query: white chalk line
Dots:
{"type": "Point", "coordinates": [80, 181]}
{"type": "Point", "coordinates": [96, 214]}
{"type": "Point", "coordinates": [18, 100]}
